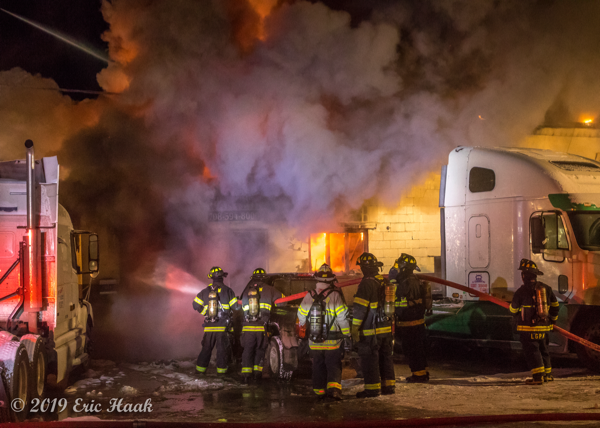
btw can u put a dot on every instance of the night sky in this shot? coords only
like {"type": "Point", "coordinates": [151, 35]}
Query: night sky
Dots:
{"type": "Point", "coordinates": [22, 45]}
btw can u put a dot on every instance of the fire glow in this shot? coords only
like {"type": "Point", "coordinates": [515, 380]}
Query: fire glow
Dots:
{"type": "Point", "coordinates": [263, 9]}
{"type": "Point", "coordinates": [339, 250]}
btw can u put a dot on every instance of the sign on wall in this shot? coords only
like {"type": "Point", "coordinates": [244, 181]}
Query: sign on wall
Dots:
{"type": "Point", "coordinates": [232, 216]}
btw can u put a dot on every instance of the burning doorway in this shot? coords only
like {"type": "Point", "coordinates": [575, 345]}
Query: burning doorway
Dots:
{"type": "Point", "coordinates": [338, 250]}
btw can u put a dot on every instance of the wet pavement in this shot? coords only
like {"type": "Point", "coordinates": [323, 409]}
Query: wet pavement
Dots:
{"type": "Point", "coordinates": [464, 382]}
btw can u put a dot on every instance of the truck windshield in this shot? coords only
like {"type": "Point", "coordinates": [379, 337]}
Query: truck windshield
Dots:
{"type": "Point", "coordinates": [586, 226]}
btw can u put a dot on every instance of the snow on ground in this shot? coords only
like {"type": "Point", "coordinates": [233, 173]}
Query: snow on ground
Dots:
{"type": "Point", "coordinates": [177, 394]}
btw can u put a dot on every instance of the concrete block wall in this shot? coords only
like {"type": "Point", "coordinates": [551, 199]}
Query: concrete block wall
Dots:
{"type": "Point", "coordinates": [413, 226]}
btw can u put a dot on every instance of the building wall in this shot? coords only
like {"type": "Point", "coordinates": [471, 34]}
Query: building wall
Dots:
{"type": "Point", "coordinates": [413, 226]}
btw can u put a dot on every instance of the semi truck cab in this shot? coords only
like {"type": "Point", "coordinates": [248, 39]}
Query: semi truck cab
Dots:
{"type": "Point", "coordinates": [499, 205]}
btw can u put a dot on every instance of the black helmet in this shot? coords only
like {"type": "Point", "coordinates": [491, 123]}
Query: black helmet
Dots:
{"type": "Point", "coordinates": [324, 274]}
{"type": "Point", "coordinates": [527, 266]}
{"type": "Point", "coordinates": [368, 260]}
{"type": "Point", "coordinates": [406, 261]}
{"type": "Point", "coordinates": [217, 272]}
{"type": "Point", "coordinates": [259, 273]}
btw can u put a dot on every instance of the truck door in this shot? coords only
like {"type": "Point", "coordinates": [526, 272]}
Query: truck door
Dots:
{"type": "Point", "coordinates": [551, 250]}
{"type": "Point", "coordinates": [550, 247]}
{"type": "Point", "coordinates": [479, 242]}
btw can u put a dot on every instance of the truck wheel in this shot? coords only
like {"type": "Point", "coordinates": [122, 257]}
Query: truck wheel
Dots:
{"type": "Point", "coordinates": [38, 360]}
{"type": "Point", "coordinates": [275, 357]}
{"type": "Point", "coordinates": [16, 377]}
{"type": "Point", "coordinates": [588, 357]}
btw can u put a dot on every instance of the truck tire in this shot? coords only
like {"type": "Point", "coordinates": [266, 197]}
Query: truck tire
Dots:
{"type": "Point", "coordinates": [274, 355]}
{"type": "Point", "coordinates": [16, 377]}
{"type": "Point", "coordinates": [38, 362]}
{"type": "Point", "coordinates": [589, 358]}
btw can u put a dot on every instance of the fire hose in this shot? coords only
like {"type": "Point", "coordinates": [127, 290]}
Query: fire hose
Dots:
{"type": "Point", "coordinates": [482, 296]}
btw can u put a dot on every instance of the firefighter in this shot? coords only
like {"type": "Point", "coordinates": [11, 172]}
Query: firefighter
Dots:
{"type": "Point", "coordinates": [257, 301]}
{"type": "Point", "coordinates": [328, 325]}
{"type": "Point", "coordinates": [215, 302]}
{"type": "Point", "coordinates": [372, 328]}
{"type": "Point", "coordinates": [410, 316]}
{"type": "Point", "coordinates": [536, 308]}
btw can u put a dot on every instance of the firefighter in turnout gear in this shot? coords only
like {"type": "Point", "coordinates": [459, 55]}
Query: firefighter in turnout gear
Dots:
{"type": "Point", "coordinates": [410, 316]}
{"type": "Point", "coordinates": [372, 328]}
{"type": "Point", "coordinates": [325, 310]}
{"type": "Point", "coordinates": [258, 299]}
{"type": "Point", "coordinates": [215, 302]}
{"type": "Point", "coordinates": [536, 308]}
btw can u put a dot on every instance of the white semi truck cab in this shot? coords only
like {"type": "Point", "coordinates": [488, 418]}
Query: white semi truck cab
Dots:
{"type": "Point", "coordinates": [45, 318]}
{"type": "Point", "coordinates": [499, 205]}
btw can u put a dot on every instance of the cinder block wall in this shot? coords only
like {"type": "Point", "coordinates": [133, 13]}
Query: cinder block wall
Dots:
{"type": "Point", "coordinates": [413, 227]}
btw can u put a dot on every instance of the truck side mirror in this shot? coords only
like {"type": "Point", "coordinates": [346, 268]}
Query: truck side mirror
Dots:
{"type": "Point", "coordinates": [85, 252]}
{"type": "Point", "coordinates": [563, 284]}
{"type": "Point", "coordinates": [538, 234]}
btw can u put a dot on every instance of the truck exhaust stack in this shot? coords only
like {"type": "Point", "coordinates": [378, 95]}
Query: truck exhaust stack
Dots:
{"type": "Point", "coordinates": [30, 185]}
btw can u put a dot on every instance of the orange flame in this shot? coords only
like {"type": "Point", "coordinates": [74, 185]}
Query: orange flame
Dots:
{"type": "Point", "coordinates": [250, 27]}
{"type": "Point", "coordinates": [334, 249]}
{"type": "Point", "coordinates": [263, 9]}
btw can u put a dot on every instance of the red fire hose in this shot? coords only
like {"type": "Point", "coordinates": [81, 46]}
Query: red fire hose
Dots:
{"type": "Point", "coordinates": [504, 304]}
{"type": "Point", "coordinates": [482, 296]}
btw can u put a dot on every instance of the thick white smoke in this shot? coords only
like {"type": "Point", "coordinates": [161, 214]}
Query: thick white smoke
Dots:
{"type": "Point", "coordinates": [330, 109]}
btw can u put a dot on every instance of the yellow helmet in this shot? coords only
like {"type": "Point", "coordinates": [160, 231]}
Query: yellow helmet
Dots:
{"type": "Point", "coordinates": [324, 274]}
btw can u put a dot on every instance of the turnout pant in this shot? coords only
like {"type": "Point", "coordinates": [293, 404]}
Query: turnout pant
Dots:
{"type": "Point", "coordinates": [255, 344]}
{"type": "Point", "coordinates": [220, 339]}
{"type": "Point", "coordinates": [327, 369]}
{"type": "Point", "coordinates": [535, 348]}
{"type": "Point", "coordinates": [376, 361]}
{"type": "Point", "coordinates": [413, 346]}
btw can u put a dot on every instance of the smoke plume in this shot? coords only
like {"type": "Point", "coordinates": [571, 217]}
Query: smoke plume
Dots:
{"type": "Point", "coordinates": [297, 109]}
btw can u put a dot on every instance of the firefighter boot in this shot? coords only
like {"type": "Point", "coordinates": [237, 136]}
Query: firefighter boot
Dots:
{"type": "Point", "coordinates": [388, 390]}
{"type": "Point", "coordinates": [258, 377]}
{"type": "Point", "coordinates": [368, 393]}
{"type": "Point", "coordinates": [417, 379]}
{"type": "Point", "coordinates": [245, 380]}
{"type": "Point", "coordinates": [538, 379]}
{"type": "Point", "coordinates": [548, 377]}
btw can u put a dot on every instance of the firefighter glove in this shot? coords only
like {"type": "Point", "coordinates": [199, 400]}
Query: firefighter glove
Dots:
{"type": "Point", "coordinates": [355, 333]}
